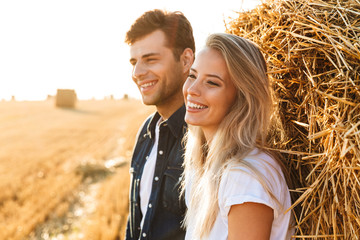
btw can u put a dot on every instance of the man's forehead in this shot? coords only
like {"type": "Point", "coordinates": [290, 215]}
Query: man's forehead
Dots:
{"type": "Point", "coordinates": [142, 51]}
{"type": "Point", "coordinates": [154, 42]}
{"type": "Point", "coordinates": [138, 52]}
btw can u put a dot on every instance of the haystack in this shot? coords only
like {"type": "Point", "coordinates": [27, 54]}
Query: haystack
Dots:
{"type": "Point", "coordinates": [65, 98]}
{"type": "Point", "coordinates": [313, 54]}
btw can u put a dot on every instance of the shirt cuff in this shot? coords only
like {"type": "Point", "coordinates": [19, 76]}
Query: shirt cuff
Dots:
{"type": "Point", "coordinates": [243, 199]}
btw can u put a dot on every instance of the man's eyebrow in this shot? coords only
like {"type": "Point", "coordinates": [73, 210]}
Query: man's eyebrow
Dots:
{"type": "Point", "coordinates": [150, 55]}
{"type": "Point", "coordinates": [132, 60]}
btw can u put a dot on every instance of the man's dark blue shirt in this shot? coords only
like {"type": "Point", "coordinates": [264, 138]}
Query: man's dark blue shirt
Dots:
{"type": "Point", "coordinates": [166, 209]}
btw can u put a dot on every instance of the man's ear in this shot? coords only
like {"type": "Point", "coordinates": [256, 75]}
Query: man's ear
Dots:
{"type": "Point", "coordinates": [187, 59]}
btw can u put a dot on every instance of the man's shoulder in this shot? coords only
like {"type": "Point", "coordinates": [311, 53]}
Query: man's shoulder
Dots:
{"type": "Point", "coordinates": [144, 126]}
{"type": "Point", "coordinates": [147, 122]}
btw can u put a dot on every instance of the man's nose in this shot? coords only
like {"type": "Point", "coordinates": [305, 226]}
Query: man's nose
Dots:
{"type": "Point", "coordinates": [139, 70]}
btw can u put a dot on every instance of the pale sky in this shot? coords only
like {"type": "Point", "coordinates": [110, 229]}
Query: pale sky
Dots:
{"type": "Point", "coordinates": [79, 44]}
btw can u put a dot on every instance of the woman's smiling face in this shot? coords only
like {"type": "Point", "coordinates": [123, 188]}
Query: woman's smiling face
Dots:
{"type": "Point", "coordinates": [208, 91]}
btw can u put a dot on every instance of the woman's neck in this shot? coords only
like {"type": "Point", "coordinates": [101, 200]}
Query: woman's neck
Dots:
{"type": "Point", "coordinates": [209, 134]}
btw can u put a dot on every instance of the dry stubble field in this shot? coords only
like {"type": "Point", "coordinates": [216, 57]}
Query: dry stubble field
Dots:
{"type": "Point", "coordinates": [56, 177]}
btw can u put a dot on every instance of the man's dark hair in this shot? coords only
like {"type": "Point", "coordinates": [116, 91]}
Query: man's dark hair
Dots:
{"type": "Point", "coordinates": [175, 25]}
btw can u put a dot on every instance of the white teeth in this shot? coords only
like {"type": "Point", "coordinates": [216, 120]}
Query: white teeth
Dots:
{"type": "Point", "coordinates": [147, 84]}
{"type": "Point", "coordinates": [194, 105]}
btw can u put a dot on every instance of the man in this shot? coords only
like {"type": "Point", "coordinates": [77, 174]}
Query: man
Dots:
{"type": "Point", "coordinates": [161, 52]}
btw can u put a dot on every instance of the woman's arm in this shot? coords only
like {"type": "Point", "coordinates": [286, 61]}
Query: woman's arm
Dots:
{"type": "Point", "coordinates": [250, 221]}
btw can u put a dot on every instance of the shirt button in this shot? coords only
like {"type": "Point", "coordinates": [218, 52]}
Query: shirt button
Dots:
{"type": "Point", "coordinates": [144, 234]}
{"type": "Point", "coordinates": [150, 205]}
{"type": "Point", "coordinates": [161, 152]}
{"type": "Point", "coordinates": [146, 157]}
{"type": "Point", "coordinates": [156, 178]}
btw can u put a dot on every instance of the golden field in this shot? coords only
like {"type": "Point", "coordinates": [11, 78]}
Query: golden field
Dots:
{"type": "Point", "coordinates": [64, 172]}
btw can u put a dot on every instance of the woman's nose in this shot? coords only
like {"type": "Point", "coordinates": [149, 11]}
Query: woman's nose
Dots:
{"type": "Point", "coordinates": [192, 87]}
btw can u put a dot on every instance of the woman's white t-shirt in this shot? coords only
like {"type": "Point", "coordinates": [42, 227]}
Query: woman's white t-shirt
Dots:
{"type": "Point", "coordinates": [239, 185]}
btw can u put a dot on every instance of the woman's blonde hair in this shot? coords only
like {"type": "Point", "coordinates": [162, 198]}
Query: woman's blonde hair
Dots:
{"type": "Point", "coordinates": [243, 128]}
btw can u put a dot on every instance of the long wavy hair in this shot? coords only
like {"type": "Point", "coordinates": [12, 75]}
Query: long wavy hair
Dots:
{"type": "Point", "coordinates": [244, 128]}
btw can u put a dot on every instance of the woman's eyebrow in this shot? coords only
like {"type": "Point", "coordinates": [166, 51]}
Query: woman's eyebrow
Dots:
{"type": "Point", "coordinates": [215, 76]}
{"type": "Point", "coordinates": [209, 74]}
{"type": "Point", "coordinates": [193, 69]}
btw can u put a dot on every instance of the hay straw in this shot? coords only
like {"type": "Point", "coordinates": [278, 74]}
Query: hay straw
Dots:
{"type": "Point", "coordinates": [313, 54]}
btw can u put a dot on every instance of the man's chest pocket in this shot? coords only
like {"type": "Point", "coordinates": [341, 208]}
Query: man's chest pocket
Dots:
{"type": "Point", "coordinates": [171, 188]}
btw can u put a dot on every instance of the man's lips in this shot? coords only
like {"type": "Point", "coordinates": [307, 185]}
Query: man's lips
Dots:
{"type": "Point", "coordinates": [146, 85]}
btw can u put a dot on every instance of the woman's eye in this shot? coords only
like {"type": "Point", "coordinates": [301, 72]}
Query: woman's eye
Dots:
{"type": "Point", "coordinates": [192, 76]}
{"type": "Point", "coordinates": [213, 83]}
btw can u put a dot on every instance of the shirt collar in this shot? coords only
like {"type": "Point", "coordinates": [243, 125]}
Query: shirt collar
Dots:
{"type": "Point", "coordinates": [175, 122]}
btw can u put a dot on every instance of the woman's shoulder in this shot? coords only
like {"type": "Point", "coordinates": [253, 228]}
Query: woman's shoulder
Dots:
{"type": "Point", "coordinates": [256, 178]}
{"type": "Point", "coordinates": [257, 168]}
{"type": "Point", "coordinates": [256, 160]}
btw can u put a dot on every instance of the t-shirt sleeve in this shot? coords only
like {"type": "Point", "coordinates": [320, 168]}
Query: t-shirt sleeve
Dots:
{"type": "Point", "coordinates": [239, 186]}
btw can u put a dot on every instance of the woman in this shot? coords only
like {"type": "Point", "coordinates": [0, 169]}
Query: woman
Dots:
{"type": "Point", "coordinates": [234, 188]}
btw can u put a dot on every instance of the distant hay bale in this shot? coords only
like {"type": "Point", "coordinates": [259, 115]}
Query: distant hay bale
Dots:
{"type": "Point", "coordinates": [65, 98]}
{"type": "Point", "coordinates": [313, 52]}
